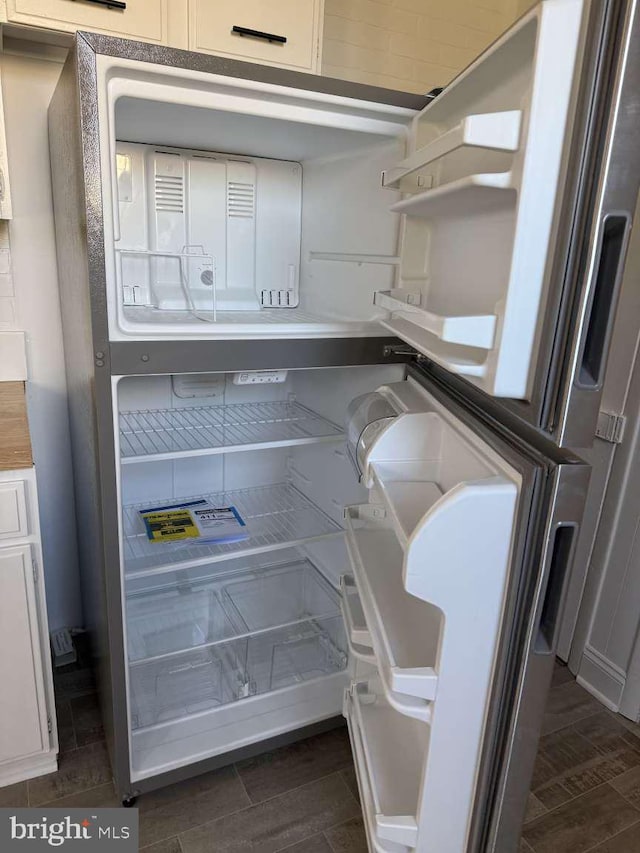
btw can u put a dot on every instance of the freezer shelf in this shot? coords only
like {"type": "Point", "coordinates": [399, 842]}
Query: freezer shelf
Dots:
{"type": "Point", "coordinates": [196, 681]}
{"type": "Point", "coordinates": [473, 330]}
{"type": "Point", "coordinates": [468, 196]}
{"type": "Point", "coordinates": [405, 632]}
{"type": "Point", "coordinates": [276, 517]}
{"type": "Point", "coordinates": [499, 131]}
{"type": "Point", "coordinates": [390, 753]}
{"type": "Point", "coordinates": [202, 430]}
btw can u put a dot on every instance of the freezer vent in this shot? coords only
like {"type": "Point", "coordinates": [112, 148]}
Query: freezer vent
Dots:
{"type": "Point", "coordinates": [170, 193]}
{"type": "Point", "coordinates": [241, 199]}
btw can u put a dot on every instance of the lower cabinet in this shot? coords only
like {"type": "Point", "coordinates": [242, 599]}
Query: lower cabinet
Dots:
{"type": "Point", "coordinates": [28, 738]}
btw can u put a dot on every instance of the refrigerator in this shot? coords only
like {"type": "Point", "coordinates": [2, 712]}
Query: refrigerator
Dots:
{"type": "Point", "coordinates": [376, 325]}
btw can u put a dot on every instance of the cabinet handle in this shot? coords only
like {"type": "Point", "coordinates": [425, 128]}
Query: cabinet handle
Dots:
{"type": "Point", "coordinates": [255, 34]}
{"type": "Point", "coordinates": [110, 4]}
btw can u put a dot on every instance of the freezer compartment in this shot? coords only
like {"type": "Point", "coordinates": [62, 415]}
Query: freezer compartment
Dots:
{"type": "Point", "coordinates": [257, 630]}
{"type": "Point", "coordinates": [223, 208]}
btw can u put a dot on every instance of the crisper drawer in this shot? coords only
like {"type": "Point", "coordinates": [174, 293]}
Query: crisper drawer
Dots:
{"type": "Point", "coordinates": [199, 645]}
{"type": "Point", "coordinates": [390, 752]}
{"type": "Point", "coordinates": [278, 33]}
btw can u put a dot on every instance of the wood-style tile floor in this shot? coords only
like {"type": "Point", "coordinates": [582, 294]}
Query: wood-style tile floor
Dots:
{"type": "Point", "coordinates": [303, 798]}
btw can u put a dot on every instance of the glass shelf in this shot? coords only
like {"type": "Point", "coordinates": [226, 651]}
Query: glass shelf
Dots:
{"type": "Point", "coordinates": [276, 516]}
{"type": "Point", "coordinates": [202, 430]}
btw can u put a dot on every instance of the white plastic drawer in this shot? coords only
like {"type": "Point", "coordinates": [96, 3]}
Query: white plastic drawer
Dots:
{"type": "Point", "coordinates": [14, 519]}
{"type": "Point", "coordinates": [211, 30]}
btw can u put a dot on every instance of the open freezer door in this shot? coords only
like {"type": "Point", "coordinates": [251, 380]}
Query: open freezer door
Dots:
{"type": "Point", "coordinates": [485, 196]}
{"type": "Point", "coordinates": [458, 566]}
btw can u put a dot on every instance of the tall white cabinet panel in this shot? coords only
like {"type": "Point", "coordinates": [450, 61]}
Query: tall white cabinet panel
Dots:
{"type": "Point", "coordinates": [24, 729]}
{"type": "Point", "coordinates": [28, 736]}
{"type": "Point", "coordinates": [149, 20]}
{"type": "Point", "coordinates": [284, 32]}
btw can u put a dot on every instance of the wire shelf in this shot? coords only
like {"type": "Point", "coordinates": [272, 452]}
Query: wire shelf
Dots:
{"type": "Point", "coordinates": [216, 429]}
{"type": "Point", "coordinates": [276, 517]}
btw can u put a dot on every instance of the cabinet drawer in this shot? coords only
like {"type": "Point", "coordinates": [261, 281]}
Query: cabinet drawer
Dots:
{"type": "Point", "coordinates": [211, 30]}
{"type": "Point", "coordinates": [14, 522]}
{"type": "Point", "coordinates": [141, 19]}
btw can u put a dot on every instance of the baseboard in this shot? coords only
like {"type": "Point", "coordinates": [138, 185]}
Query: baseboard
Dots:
{"type": "Point", "coordinates": [602, 678]}
{"type": "Point", "coordinates": [28, 768]}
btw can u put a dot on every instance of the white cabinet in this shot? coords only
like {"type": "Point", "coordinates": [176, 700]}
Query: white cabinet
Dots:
{"type": "Point", "coordinates": [13, 510]}
{"type": "Point", "coordinates": [28, 737]}
{"type": "Point", "coordinates": [286, 33]}
{"type": "Point", "coordinates": [24, 729]}
{"type": "Point", "coordinates": [159, 21]}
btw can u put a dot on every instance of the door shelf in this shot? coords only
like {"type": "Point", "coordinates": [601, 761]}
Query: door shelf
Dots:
{"type": "Point", "coordinates": [468, 196]}
{"type": "Point", "coordinates": [204, 430]}
{"type": "Point", "coordinates": [472, 363]}
{"type": "Point", "coordinates": [494, 131]}
{"type": "Point", "coordinates": [358, 635]}
{"type": "Point", "coordinates": [471, 331]}
{"type": "Point", "coordinates": [276, 516]}
{"type": "Point", "coordinates": [404, 631]}
{"type": "Point", "coordinates": [390, 753]}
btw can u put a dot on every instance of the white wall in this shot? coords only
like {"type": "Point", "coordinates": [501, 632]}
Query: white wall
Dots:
{"type": "Point", "coordinates": [27, 85]}
{"type": "Point", "coordinates": [412, 45]}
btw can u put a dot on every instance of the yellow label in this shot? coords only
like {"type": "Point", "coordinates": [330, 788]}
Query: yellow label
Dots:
{"type": "Point", "coordinates": [169, 525]}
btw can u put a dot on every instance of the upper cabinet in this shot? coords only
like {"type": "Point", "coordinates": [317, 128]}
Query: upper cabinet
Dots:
{"type": "Point", "coordinates": [286, 33]}
{"type": "Point", "coordinates": [148, 20]}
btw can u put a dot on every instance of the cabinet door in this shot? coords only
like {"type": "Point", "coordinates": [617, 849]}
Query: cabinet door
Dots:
{"type": "Point", "coordinates": [23, 712]}
{"type": "Point", "coordinates": [13, 510]}
{"type": "Point", "coordinates": [294, 26]}
{"type": "Point", "coordinates": [139, 19]}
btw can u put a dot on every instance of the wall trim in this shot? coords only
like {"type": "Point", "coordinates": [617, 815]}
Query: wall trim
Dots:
{"type": "Point", "coordinates": [601, 677]}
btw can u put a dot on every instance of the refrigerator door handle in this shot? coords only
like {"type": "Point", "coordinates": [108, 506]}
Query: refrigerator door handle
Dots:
{"type": "Point", "coordinates": [606, 274]}
{"type": "Point", "coordinates": [560, 549]}
{"type": "Point", "coordinates": [600, 262]}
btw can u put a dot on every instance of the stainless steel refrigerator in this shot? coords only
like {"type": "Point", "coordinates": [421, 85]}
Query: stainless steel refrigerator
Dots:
{"type": "Point", "coordinates": [373, 328]}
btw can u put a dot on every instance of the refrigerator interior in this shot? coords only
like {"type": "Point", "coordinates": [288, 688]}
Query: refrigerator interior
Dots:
{"type": "Point", "coordinates": [319, 610]}
{"type": "Point", "coordinates": [229, 643]}
{"type": "Point", "coordinates": [245, 210]}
